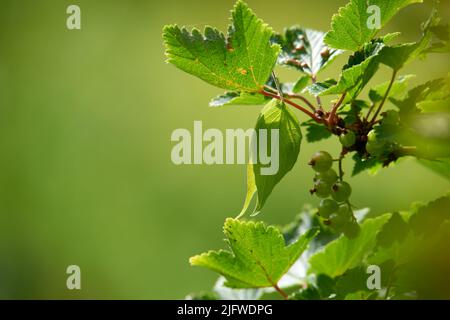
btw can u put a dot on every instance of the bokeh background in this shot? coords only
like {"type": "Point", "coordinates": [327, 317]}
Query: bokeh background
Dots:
{"type": "Point", "coordinates": [85, 124]}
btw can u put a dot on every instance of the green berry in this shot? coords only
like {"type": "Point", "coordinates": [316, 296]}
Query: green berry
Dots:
{"type": "Point", "coordinates": [348, 139]}
{"type": "Point", "coordinates": [352, 230]}
{"type": "Point", "coordinates": [337, 222]}
{"type": "Point", "coordinates": [344, 210]}
{"type": "Point", "coordinates": [322, 189]}
{"type": "Point", "coordinates": [321, 161]}
{"type": "Point", "coordinates": [374, 148]}
{"type": "Point", "coordinates": [329, 176]}
{"type": "Point", "coordinates": [341, 191]}
{"type": "Point", "coordinates": [327, 207]}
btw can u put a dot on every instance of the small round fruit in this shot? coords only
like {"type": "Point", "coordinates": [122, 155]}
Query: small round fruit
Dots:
{"type": "Point", "coordinates": [322, 189]}
{"type": "Point", "coordinates": [344, 210]}
{"type": "Point", "coordinates": [321, 161]}
{"type": "Point", "coordinates": [329, 176]}
{"type": "Point", "coordinates": [352, 230]}
{"type": "Point", "coordinates": [341, 191]}
{"type": "Point", "coordinates": [337, 222]}
{"type": "Point", "coordinates": [327, 207]}
{"type": "Point", "coordinates": [348, 139]}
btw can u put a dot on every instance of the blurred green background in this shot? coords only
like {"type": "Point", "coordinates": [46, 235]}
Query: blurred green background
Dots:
{"type": "Point", "coordinates": [85, 170]}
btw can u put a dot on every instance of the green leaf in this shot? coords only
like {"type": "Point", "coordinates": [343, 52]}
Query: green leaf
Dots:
{"type": "Point", "coordinates": [396, 229]}
{"type": "Point", "coordinates": [351, 27]}
{"type": "Point", "coordinates": [398, 56]}
{"type": "Point", "coordinates": [258, 255]}
{"type": "Point", "coordinates": [304, 50]}
{"type": "Point", "coordinates": [359, 70]}
{"type": "Point", "coordinates": [343, 254]}
{"type": "Point", "coordinates": [432, 90]}
{"type": "Point", "coordinates": [442, 33]}
{"type": "Point", "coordinates": [237, 98]}
{"type": "Point", "coordinates": [243, 61]}
{"type": "Point", "coordinates": [428, 218]}
{"type": "Point", "coordinates": [226, 293]}
{"type": "Point", "coordinates": [372, 164]}
{"type": "Point", "coordinates": [316, 132]}
{"type": "Point", "coordinates": [275, 116]}
{"type": "Point", "coordinates": [398, 90]}
{"type": "Point", "coordinates": [439, 166]}
{"type": "Point", "coordinates": [317, 88]}
{"type": "Point", "coordinates": [300, 84]}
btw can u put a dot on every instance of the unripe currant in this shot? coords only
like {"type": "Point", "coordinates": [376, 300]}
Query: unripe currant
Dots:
{"type": "Point", "coordinates": [327, 207]}
{"type": "Point", "coordinates": [341, 191]}
{"type": "Point", "coordinates": [322, 189]}
{"type": "Point", "coordinates": [330, 176]}
{"type": "Point", "coordinates": [348, 139]}
{"type": "Point", "coordinates": [321, 161]}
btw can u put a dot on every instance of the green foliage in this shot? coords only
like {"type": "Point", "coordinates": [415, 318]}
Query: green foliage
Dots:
{"type": "Point", "coordinates": [242, 61]}
{"type": "Point", "coordinates": [376, 125]}
{"type": "Point", "coordinates": [304, 50]}
{"type": "Point", "coordinates": [349, 28]}
{"type": "Point", "coordinates": [343, 254]}
{"type": "Point", "coordinates": [275, 115]}
{"type": "Point", "coordinates": [258, 258]}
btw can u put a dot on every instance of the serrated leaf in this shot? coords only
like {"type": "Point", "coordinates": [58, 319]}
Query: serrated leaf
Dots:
{"type": "Point", "coordinates": [398, 56]}
{"type": "Point", "coordinates": [432, 90]}
{"type": "Point", "coordinates": [238, 98]}
{"type": "Point", "coordinates": [225, 293]}
{"type": "Point", "coordinates": [241, 62]}
{"type": "Point", "coordinates": [396, 229]}
{"type": "Point", "coordinates": [359, 70]}
{"type": "Point", "coordinates": [275, 116]}
{"type": "Point", "coordinates": [343, 254]}
{"type": "Point", "coordinates": [316, 132]}
{"type": "Point", "coordinates": [351, 27]}
{"type": "Point", "coordinates": [258, 255]}
{"type": "Point", "coordinates": [361, 165]}
{"type": "Point", "coordinates": [398, 89]}
{"type": "Point", "coordinates": [304, 50]}
{"type": "Point", "coordinates": [429, 217]}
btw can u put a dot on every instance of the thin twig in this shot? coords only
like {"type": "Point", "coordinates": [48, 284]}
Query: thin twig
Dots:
{"type": "Point", "coordinates": [293, 96]}
{"type": "Point", "coordinates": [341, 171]}
{"type": "Point", "coordinates": [394, 75]}
{"type": "Point", "coordinates": [309, 113]}
{"type": "Point", "coordinates": [300, 97]}
{"type": "Point", "coordinates": [332, 116]}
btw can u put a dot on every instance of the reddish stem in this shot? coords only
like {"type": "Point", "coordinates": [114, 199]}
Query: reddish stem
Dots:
{"type": "Point", "coordinates": [332, 116]}
{"type": "Point", "coordinates": [309, 113]}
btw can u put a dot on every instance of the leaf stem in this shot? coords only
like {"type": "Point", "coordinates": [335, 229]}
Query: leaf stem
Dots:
{"type": "Point", "coordinates": [300, 97]}
{"type": "Point", "coordinates": [386, 95]}
{"type": "Point", "coordinates": [332, 116]}
{"type": "Point", "coordinates": [293, 96]}
{"type": "Point", "coordinates": [309, 113]}
{"type": "Point", "coordinates": [280, 291]}
{"type": "Point", "coordinates": [341, 171]}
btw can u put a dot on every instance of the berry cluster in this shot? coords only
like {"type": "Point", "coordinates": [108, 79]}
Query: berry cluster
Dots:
{"type": "Point", "coordinates": [380, 140]}
{"type": "Point", "coordinates": [336, 212]}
